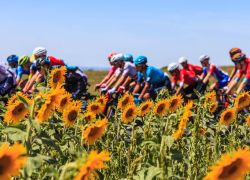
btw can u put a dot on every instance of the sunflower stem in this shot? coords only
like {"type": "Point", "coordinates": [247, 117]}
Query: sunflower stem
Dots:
{"type": "Point", "coordinates": [69, 165]}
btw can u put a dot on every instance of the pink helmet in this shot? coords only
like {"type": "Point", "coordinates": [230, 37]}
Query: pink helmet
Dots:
{"type": "Point", "coordinates": [111, 54]}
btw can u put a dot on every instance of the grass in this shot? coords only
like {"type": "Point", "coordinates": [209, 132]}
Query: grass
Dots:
{"type": "Point", "coordinates": [95, 77]}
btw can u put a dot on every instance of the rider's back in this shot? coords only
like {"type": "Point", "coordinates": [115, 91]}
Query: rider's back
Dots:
{"type": "Point", "coordinates": [153, 75]}
{"type": "Point", "coordinates": [197, 69]}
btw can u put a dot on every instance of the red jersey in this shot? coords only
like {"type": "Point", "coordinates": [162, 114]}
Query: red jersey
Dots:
{"type": "Point", "coordinates": [186, 77]}
{"type": "Point", "coordinates": [240, 72]}
{"type": "Point", "coordinates": [196, 69]}
{"type": "Point", "coordinates": [54, 61]}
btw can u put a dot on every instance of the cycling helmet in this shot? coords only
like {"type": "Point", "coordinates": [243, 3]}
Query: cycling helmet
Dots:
{"type": "Point", "coordinates": [234, 51]}
{"type": "Point", "coordinates": [204, 58]}
{"type": "Point", "coordinates": [182, 60]}
{"type": "Point", "coordinates": [43, 61]}
{"type": "Point", "coordinates": [111, 54]}
{"type": "Point", "coordinates": [23, 60]}
{"type": "Point", "coordinates": [128, 57]}
{"type": "Point", "coordinates": [173, 66]}
{"type": "Point", "coordinates": [116, 58]}
{"type": "Point", "coordinates": [140, 60]}
{"type": "Point", "coordinates": [39, 50]}
{"type": "Point", "coordinates": [12, 58]}
{"type": "Point", "coordinates": [239, 57]}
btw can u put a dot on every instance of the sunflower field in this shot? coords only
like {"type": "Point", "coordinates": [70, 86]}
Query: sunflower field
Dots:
{"type": "Point", "coordinates": [49, 137]}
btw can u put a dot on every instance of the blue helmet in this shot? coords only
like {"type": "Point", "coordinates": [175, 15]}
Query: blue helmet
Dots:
{"type": "Point", "coordinates": [128, 57]}
{"type": "Point", "coordinates": [12, 58]}
{"type": "Point", "coordinates": [140, 60]}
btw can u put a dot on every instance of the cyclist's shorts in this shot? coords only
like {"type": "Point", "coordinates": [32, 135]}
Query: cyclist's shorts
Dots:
{"type": "Point", "coordinates": [156, 88]}
{"type": "Point", "coordinates": [189, 89]}
{"type": "Point", "coordinates": [6, 85]}
{"type": "Point", "coordinates": [223, 82]}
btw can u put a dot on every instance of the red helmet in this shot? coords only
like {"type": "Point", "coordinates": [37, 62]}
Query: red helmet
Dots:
{"type": "Point", "coordinates": [234, 51]}
{"type": "Point", "coordinates": [111, 54]}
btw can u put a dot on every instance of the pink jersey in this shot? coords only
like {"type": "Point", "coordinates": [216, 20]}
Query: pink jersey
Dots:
{"type": "Point", "coordinates": [112, 70]}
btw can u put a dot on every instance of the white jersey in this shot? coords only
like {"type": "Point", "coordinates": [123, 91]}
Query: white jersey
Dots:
{"type": "Point", "coordinates": [130, 70]}
{"type": "Point", "coordinates": [4, 72]}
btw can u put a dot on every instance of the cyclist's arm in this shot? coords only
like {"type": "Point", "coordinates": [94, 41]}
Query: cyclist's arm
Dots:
{"type": "Point", "coordinates": [137, 87]}
{"type": "Point", "coordinates": [179, 90]}
{"type": "Point", "coordinates": [120, 81]}
{"type": "Point", "coordinates": [105, 79]}
{"type": "Point", "coordinates": [232, 73]}
{"type": "Point", "coordinates": [145, 89]}
{"type": "Point", "coordinates": [232, 80]}
{"type": "Point", "coordinates": [127, 81]}
{"type": "Point", "coordinates": [18, 80]}
{"type": "Point", "coordinates": [31, 81]}
{"type": "Point", "coordinates": [241, 87]}
{"type": "Point", "coordinates": [205, 80]}
{"type": "Point", "coordinates": [112, 82]}
{"type": "Point", "coordinates": [39, 78]}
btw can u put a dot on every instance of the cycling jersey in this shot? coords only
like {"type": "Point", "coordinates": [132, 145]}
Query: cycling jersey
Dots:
{"type": "Point", "coordinates": [153, 75]}
{"type": "Point", "coordinates": [33, 69]}
{"type": "Point", "coordinates": [196, 69]}
{"type": "Point", "coordinates": [216, 72]}
{"type": "Point", "coordinates": [7, 81]}
{"type": "Point", "coordinates": [54, 61]}
{"type": "Point", "coordinates": [112, 70]}
{"type": "Point", "coordinates": [240, 72]}
{"type": "Point", "coordinates": [186, 77]}
{"type": "Point", "coordinates": [19, 71]}
{"type": "Point", "coordinates": [118, 72]}
{"type": "Point", "coordinates": [130, 70]}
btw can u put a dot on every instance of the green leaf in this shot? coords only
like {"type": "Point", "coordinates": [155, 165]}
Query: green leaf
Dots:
{"type": "Point", "coordinates": [19, 126]}
{"type": "Point", "coordinates": [3, 108]}
{"type": "Point", "coordinates": [197, 93]}
{"type": "Point", "coordinates": [210, 131]}
{"type": "Point", "coordinates": [169, 140]}
{"type": "Point", "coordinates": [152, 172]}
{"type": "Point", "coordinates": [26, 104]}
{"type": "Point", "coordinates": [15, 134]}
{"type": "Point", "coordinates": [40, 87]}
{"type": "Point", "coordinates": [48, 141]}
{"type": "Point", "coordinates": [157, 115]}
{"type": "Point", "coordinates": [64, 145]}
{"type": "Point", "coordinates": [177, 157]}
{"type": "Point", "coordinates": [37, 126]}
{"type": "Point", "coordinates": [50, 171]}
{"type": "Point", "coordinates": [141, 174]}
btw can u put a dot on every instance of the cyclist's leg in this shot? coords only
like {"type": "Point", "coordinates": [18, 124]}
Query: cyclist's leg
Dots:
{"type": "Point", "coordinates": [219, 84]}
{"type": "Point", "coordinates": [23, 83]}
{"type": "Point", "coordinates": [31, 81]}
{"type": "Point", "coordinates": [7, 85]}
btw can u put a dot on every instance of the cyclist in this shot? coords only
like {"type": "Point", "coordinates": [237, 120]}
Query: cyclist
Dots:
{"type": "Point", "coordinates": [153, 78]}
{"type": "Point", "coordinates": [190, 67]}
{"type": "Point", "coordinates": [19, 71]}
{"type": "Point", "coordinates": [128, 72]}
{"type": "Point", "coordinates": [103, 83]}
{"type": "Point", "coordinates": [212, 70]}
{"type": "Point", "coordinates": [7, 79]}
{"type": "Point", "coordinates": [185, 77]}
{"type": "Point", "coordinates": [243, 65]}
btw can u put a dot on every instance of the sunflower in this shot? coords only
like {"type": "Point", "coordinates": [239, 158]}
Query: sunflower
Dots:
{"type": "Point", "coordinates": [77, 103]}
{"type": "Point", "coordinates": [56, 95]}
{"type": "Point", "coordinates": [213, 106]}
{"type": "Point", "coordinates": [210, 97]}
{"type": "Point", "coordinates": [47, 110]}
{"type": "Point", "coordinates": [57, 76]}
{"type": "Point", "coordinates": [190, 105]}
{"type": "Point", "coordinates": [145, 108]}
{"type": "Point", "coordinates": [129, 113]}
{"type": "Point", "coordinates": [89, 116]}
{"type": "Point", "coordinates": [94, 162]}
{"type": "Point", "coordinates": [64, 102]}
{"type": "Point", "coordinates": [178, 133]}
{"type": "Point", "coordinates": [95, 131]}
{"type": "Point", "coordinates": [16, 112]}
{"type": "Point", "coordinates": [11, 160]}
{"type": "Point", "coordinates": [231, 168]}
{"type": "Point", "coordinates": [248, 120]}
{"type": "Point", "coordinates": [125, 100]}
{"type": "Point", "coordinates": [175, 102]}
{"type": "Point", "coordinates": [95, 107]}
{"type": "Point", "coordinates": [186, 115]}
{"type": "Point", "coordinates": [202, 131]}
{"type": "Point", "coordinates": [14, 98]}
{"type": "Point", "coordinates": [160, 107]}
{"type": "Point", "coordinates": [242, 100]}
{"type": "Point", "coordinates": [70, 115]}
{"type": "Point", "coordinates": [102, 99]}
{"type": "Point", "coordinates": [227, 116]}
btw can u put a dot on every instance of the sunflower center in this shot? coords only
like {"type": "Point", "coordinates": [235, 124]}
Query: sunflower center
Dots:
{"type": "Point", "coordinates": [242, 100]}
{"type": "Point", "coordinates": [94, 107]}
{"type": "Point", "coordinates": [93, 131]}
{"type": "Point", "coordinates": [87, 118]}
{"type": "Point", "coordinates": [18, 109]}
{"type": "Point", "coordinates": [56, 76]}
{"type": "Point", "coordinates": [227, 116]}
{"type": "Point", "coordinates": [160, 108]}
{"type": "Point", "coordinates": [230, 169]}
{"type": "Point", "coordinates": [5, 162]}
{"type": "Point", "coordinates": [173, 103]}
{"type": "Point", "coordinates": [64, 101]}
{"type": "Point", "coordinates": [72, 115]}
{"type": "Point", "coordinates": [145, 107]}
{"type": "Point", "coordinates": [100, 101]}
{"type": "Point", "coordinates": [129, 113]}
{"type": "Point", "coordinates": [125, 102]}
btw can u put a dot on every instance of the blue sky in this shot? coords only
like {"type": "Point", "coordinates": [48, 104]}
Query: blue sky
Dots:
{"type": "Point", "coordinates": [83, 32]}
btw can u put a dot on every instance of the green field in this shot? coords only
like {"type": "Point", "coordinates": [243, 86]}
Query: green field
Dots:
{"type": "Point", "coordinates": [95, 77]}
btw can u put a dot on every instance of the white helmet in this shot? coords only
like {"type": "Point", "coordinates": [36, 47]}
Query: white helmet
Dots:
{"type": "Point", "coordinates": [39, 50]}
{"type": "Point", "coordinates": [204, 58]}
{"type": "Point", "coordinates": [116, 58]}
{"type": "Point", "coordinates": [173, 66]}
{"type": "Point", "coordinates": [182, 60]}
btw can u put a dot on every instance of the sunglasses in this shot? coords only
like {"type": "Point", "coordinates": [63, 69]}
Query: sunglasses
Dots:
{"type": "Point", "coordinates": [138, 65]}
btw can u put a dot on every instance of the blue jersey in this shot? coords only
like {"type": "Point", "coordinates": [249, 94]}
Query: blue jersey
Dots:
{"type": "Point", "coordinates": [216, 72]}
{"type": "Point", "coordinates": [153, 75]}
{"type": "Point", "coordinates": [20, 71]}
